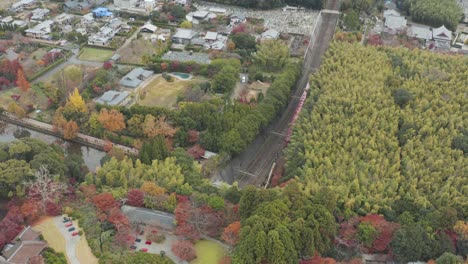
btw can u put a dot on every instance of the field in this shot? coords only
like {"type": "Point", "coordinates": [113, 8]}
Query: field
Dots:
{"type": "Point", "coordinates": [136, 49]}
{"type": "Point", "coordinates": [51, 234]}
{"type": "Point", "coordinates": [34, 96]}
{"type": "Point", "coordinates": [30, 64]}
{"type": "Point", "coordinates": [208, 252]}
{"type": "Point", "coordinates": [159, 92]}
{"type": "Point", "coordinates": [83, 251]}
{"type": "Point", "coordinates": [4, 4]}
{"type": "Point", "coordinates": [94, 54]}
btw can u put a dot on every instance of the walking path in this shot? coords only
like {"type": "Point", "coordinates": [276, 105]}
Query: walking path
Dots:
{"type": "Point", "coordinates": [49, 129]}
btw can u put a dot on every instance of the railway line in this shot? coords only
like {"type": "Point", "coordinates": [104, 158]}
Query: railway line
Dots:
{"type": "Point", "coordinates": [253, 165]}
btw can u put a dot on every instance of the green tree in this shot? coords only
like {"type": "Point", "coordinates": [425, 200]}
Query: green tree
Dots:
{"type": "Point", "coordinates": [225, 80]}
{"type": "Point", "coordinates": [351, 20]}
{"type": "Point", "coordinates": [411, 243]}
{"type": "Point", "coordinates": [448, 258]}
{"type": "Point", "coordinates": [367, 233]}
{"type": "Point", "coordinates": [244, 40]}
{"type": "Point", "coordinates": [272, 55]}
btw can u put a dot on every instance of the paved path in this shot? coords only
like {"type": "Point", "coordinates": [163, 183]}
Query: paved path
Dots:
{"type": "Point", "coordinates": [71, 241]}
{"type": "Point", "coordinates": [138, 214]}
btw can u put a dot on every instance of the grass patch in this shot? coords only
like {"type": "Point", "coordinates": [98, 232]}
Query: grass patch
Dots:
{"type": "Point", "coordinates": [160, 92]}
{"type": "Point", "coordinates": [83, 251]}
{"type": "Point", "coordinates": [94, 54]}
{"type": "Point", "coordinates": [208, 252]}
{"type": "Point", "coordinates": [51, 234]}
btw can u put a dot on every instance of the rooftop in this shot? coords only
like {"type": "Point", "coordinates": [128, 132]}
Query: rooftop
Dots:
{"type": "Point", "coordinates": [135, 77]}
{"type": "Point", "coordinates": [200, 14]}
{"type": "Point", "coordinates": [112, 98]}
{"type": "Point", "coordinates": [420, 32]}
{"type": "Point", "coordinates": [395, 22]}
{"type": "Point", "coordinates": [270, 34]}
{"type": "Point", "coordinates": [442, 33]}
{"type": "Point", "coordinates": [22, 251]}
{"type": "Point", "coordinates": [211, 35]}
{"type": "Point", "coordinates": [202, 58]}
{"type": "Point", "coordinates": [183, 33]}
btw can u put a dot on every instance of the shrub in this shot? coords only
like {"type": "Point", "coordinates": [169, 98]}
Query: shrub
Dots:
{"type": "Point", "coordinates": [184, 250]}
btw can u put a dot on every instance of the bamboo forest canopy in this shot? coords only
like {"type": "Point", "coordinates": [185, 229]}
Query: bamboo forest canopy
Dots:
{"type": "Point", "coordinates": [434, 12]}
{"type": "Point", "coordinates": [385, 127]}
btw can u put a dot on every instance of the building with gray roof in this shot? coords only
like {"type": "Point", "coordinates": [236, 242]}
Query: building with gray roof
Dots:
{"type": "Point", "coordinates": [270, 34]}
{"type": "Point", "coordinates": [184, 36]}
{"type": "Point", "coordinates": [135, 77]}
{"type": "Point", "coordinates": [112, 98]}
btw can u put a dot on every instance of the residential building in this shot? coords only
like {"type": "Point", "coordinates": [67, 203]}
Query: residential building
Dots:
{"type": "Point", "coordinates": [395, 24]}
{"type": "Point", "coordinates": [135, 77]}
{"type": "Point", "coordinates": [198, 42]}
{"type": "Point", "coordinates": [101, 12]}
{"type": "Point", "coordinates": [99, 40]}
{"type": "Point", "coordinates": [420, 32]}
{"type": "Point", "coordinates": [25, 247]}
{"type": "Point", "coordinates": [148, 28]}
{"type": "Point", "coordinates": [77, 5]}
{"type": "Point", "coordinates": [126, 3]}
{"type": "Point", "coordinates": [20, 23]}
{"type": "Point", "coordinates": [87, 19]}
{"type": "Point", "coordinates": [217, 10]}
{"type": "Point", "coordinates": [184, 36]}
{"type": "Point", "coordinates": [41, 30]}
{"type": "Point", "coordinates": [113, 98]}
{"type": "Point", "coordinates": [22, 4]}
{"type": "Point", "coordinates": [211, 36]}
{"type": "Point", "coordinates": [63, 19]}
{"type": "Point", "coordinates": [237, 18]}
{"type": "Point", "coordinates": [200, 14]}
{"type": "Point", "coordinates": [270, 34]}
{"type": "Point", "coordinates": [39, 13]}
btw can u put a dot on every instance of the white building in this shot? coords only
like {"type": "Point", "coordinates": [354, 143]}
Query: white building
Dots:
{"type": "Point", "coordinates": [442, 37]}
{"type": "Point", "coordinates": [41, 30]}
{"type": "Point", "coordinates": [39, 13]}
{"type": "Point", "coordinates": [420, 32]}
{"type": "Point", "coordinates": [22, 4]}
{"type": "Point", "coordinates": [270, 34]}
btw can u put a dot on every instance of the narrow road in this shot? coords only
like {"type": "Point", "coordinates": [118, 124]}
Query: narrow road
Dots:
{"type": "Point", "coordinates": [70, 241]}
{"type": "Point", "coordinates": [252, 166]}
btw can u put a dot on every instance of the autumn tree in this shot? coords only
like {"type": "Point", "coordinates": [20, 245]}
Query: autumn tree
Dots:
{"type": "Point", "coordinates": [231, 233]}
{"type": "Point", "coordinates": [76, 103]}
{"type": "Point", "coordinates": [111, 120]}
{"type": "Point", "coordinates": [44, 188]}
{"type": "Point", "coordinates": [17, 110]}
{"type": "Point", "coordinates": [184, 250]}
{"type": "Point", "coordinates": [70, 130]}
{"type": "Point", "coordinates": [104, 201]}
{"type": "Point", "coordinates": [135, 197]}
{"type": "Point", "coordinates": [151, 188]}
{"type": "Point", "coordinates": [21, 81]}
{"type": "Point", "coordinates": [30, 210]}
{"type": "Point", "coordinates": [153, 127]}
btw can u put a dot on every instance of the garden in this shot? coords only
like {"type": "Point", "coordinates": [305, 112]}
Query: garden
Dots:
{"type": "Point", "coordinates": [142, 48]}
{"type": "Point", "coordinates": [95, 54]}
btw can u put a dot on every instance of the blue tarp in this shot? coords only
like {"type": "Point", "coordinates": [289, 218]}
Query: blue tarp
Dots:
{"type": "Point", "coordinates": [102, 12]}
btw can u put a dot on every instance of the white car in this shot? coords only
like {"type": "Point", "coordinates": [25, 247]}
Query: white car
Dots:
{"type": "Point", "coordinates": [243, 79]}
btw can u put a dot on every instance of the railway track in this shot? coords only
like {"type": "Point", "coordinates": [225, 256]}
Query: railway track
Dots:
{"type": "Point", "coordinates": [253, 165]}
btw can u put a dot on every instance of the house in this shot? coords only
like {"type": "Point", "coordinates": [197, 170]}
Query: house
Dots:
{"type": "Point", "coordinates": [41, 30]}
{"type": "Point", "coordinates": [135, 77]}
{"type": "Point", "coordinates": [101, 12]}
{"type": "Point", "coordinates": [113, 98]}
{"type": "Point", "coordinates": [182, 2]}
{"type": "Point", "coordinates": [39, 13]}
{"type": "Point", "coordinates": [149, 28]}
{"type": "Point", "coordinates": [270, 34]}
{"type": "Point", "coordinates": [7, 20]}
{"type": "Point", "coordinates": [391, 12]}
{"type": "Point", "coordinates": [87, 19]}
{"type": "Point", "coordinates": [20, 23]}
{"type": "Point", "coordinates": [184, 36]}
{"type": "Point", "coordinates": [99, 40]}
{"type": "Point", "coordinates": [237, 18]}
{"type": "Point", "coordinates": [115, 57]}
{"type": "Point", "coordinates": [200, 14]}
{"type": "Point", "coordinates": [77, 5]}
{"type": "Point", "coordinates": [211, 36]}
{"type": "Point", "coordinates": [420, 32]}
{"type": "Point", "coordinates": [22, 4]}
{"type": "Point", "coordinates": [442, 37]}
{"type": "Point", "coordinates": [63, 19]}
{"type": "Point", "coordinates": [395, 23]}
{"type": "Point", "coordinates": [197, 42]}
{"type": "Point", "coordinates": [25, 247]}
{"type": "Point", "coordinates": [218, 45]}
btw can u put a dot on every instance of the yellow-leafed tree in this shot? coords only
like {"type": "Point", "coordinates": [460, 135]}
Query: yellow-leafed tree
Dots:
{"type": "Point", "coordinates": [76, 102]}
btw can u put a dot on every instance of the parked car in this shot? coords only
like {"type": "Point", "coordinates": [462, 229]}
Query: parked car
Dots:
{"type": "Point", "coordinates": [148, 242]}
{"type": "Point", "coordinates": [142, 232]}
{"type": "Point", "coordinates": [68, 224]}
{"type": "Point", "coordinates": [71, 229]}
{"type": "Point", "coordinates": [133, 247]}
{"type": "Point", "coordinates": [144, 250]}
{"type": "Point", "coordinates": [138, 240]}
{"type": "Point", "coordinates": [75, 233]}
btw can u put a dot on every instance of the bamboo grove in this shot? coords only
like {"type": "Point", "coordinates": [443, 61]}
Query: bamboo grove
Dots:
{"type": "Point", "coordinates": [379, 127]}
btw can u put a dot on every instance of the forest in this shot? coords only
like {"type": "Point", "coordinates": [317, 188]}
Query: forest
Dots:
{"type": "Point", "coordinates": [433, 12]}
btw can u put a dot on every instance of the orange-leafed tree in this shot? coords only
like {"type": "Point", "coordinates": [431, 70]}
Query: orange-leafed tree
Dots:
{"type": "Point", "coordinates": [70, 130]}
{"type": "Point", "coordinates": [111, 120]}
{"type": "Point", "coordinates": [152, 188]}
{"type": "Point", "coordinates": [231, 233]}
{"type": "Point", "coordinates": [21, 81]}
{"type": "Point", "coordinates": [153, 127]}
{"type": "Point", "coordinates": [105, 201]}
{"type": "Point", "coordinates": [30, 210]}
{"type": "Point", "coordinates": [59, 122]}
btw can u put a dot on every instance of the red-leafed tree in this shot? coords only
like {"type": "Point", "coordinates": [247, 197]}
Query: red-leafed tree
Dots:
{"type": "Point", "coordinates": [375, 40]}
{"type": "Point", "coordinates": [136, 197]}
{"type": "Point", "coordinates": [385, 232]}
{"type": "Point", "coordinates": [30, 210]}
{"type": "Point", "coordinates": [196, 151]}
{"type": "Point", "coordinates": [118, 219]}
{"type": "Point", "coordinates": [107, 65]}
{"type": "Point", "coordinates": [184, 250]}
{"type": "Point", "coordinates": [225, 260]}
{"type": "Point", "coordinates": [104, 201]}
{"type": "Point", "coordinates": [188, 231]}
{"type": "Point", "coordinates": [238, 29]}
{"type": "Point", "coordinates": [316, 259]}
{"type": "Point", "coordinates": [10, 226]}
{"type": "Point", "coordinates": [53, 209]}
{"type": "Point", "coordinates": [21, 81]}
{"type": "Point", "coordinates": [231, 233]}
{"type": "Point", "coordinates": [89, 191]}
{"type": "Point", "coordinates": [4, 82]}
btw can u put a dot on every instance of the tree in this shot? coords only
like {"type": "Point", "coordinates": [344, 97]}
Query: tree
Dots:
{"type": "Point", "coordinates": [367, 233]}
{"type": "Point", "coordinates": [351, 21]}
{"type": "Point", "coordinates": [402, 97]}
{"type": "Point", "coordinates": [153, 127]}
{"type": "Point", "coordinates": [186, 24]}
{"type": "Point", "coordinates": [21, 81]}
{"type": "Point", "coordinates": [151, 188]}
{"type": "Point", "coordinates": [135, 197]}
{"type": "Point", "coordinates": [75, 102]}
{"type": "Point", "coordinates": [178, 11]}
{"type": "Point", "coordinates": [225, 80]}
{"type": "Point", "coordinates": [448, 258]}
{"type": "Point", "coordinates": [104, 201]}
{"type": "Point", "coordinates": [231, 233]}
{"type": "Point", "coordinates": [272, 55]}
{"type": "Point", "coordinates": [70, 130]}
{"type": "Point", "coordinates": [44, 188]}
{"type": "Point", "coordinates": [244, 40]}
{"type": "Point", "coordinates": [411, 243]}
{"type": "Point", "coordinates": [436, 13]}
{"type": "Point", "coordinates": [111, 120]}
{"type": "Point", "coordinates": [17, 110]}
{"type": "Point", "coordinates": [184, 250]}
{"type": "Point", "coordinates": [30, 211]}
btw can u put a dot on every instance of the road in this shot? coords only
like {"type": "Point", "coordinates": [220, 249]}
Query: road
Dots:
{"type": "Point", "coordinates": [252, 166]}
{"type": "Point", "coordinates": [70, 241]}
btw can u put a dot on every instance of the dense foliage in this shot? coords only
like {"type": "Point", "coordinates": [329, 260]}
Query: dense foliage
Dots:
{"type": "Point", "coordinates": [376, 151]}
{"type": "Point", "coordinates": [434, 12]}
